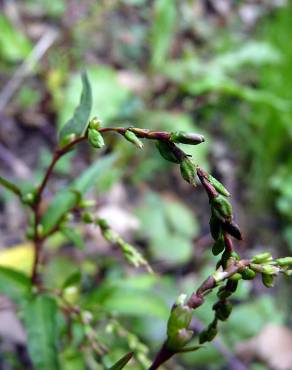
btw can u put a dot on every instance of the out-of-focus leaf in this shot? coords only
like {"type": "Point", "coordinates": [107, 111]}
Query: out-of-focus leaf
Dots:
{"type": "Point", "coordinates": [60, 204]}
{"type": "Point", "coordinates": [14, 284]}
{"type": "Point", "coordinates": [170, 227]}
{"type": "Point", "coordinates": [78, 123]}
{"type": "Point", "coordinates": [133, 296]}
{"type": "Point", "coordinates": [9, 186]}
{"type": "Point", "coordinates": [72, 280]}
{"type": "Point", "coordinates": [164, 18]}
{"type": "Point", "coordinates": [72, 360]}
{"type": "Point", "coordinates": [122, 362]}
{"type": "Point", "coordinates": [108, 93]}
{"type": "Point", "coordinates": [18, 257]}
{"type": "Point", "coordinates": [14, 45]}
{"type": "Point", "coordinates": [74, 236]}
{"type": "Point", "coordinates": [59, 271]}
{"type": "Point", "coordinates": [40, 319]}
{"type": "Point", "coordinates": [67, 199]}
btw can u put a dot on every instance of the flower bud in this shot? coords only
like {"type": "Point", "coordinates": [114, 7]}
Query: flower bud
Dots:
{"type": "Point", "coordinates": [68, 139]}
{"type": "Point", "coordinates": [166, 151]}
{"type": "Point", "coordinates": [87, 217]}
{"type": "Point", "coordinates": [223, 310]}
{"type": "Point", "coordinates": [87, 203]}
{"type": "Point", "coordinates": [223, 206]}
{"type": "Point", "coordinates": [285, 261]}
{"type": "Point", "coordinates": [218, 186]}
{"type": "Point", "coordinates": [94, 123]}
{"type": "Point", "coordinates": [236, 277]}
{"type": "Point", "coordinates": [95, 138]}
{"type": "Point", "coordinates": [28, 198]}
{"type": "Point", "coordinates": [268, 280]}
{"type": "Point", "coordinates": [208, 335]}
{"type": "Point", "coordinates": [179, 340]}
{"type": "Point", "coordinates": [232, 228]}
{"type": "Point", "coordinates": [262, 257]}
{"type": "Point", "coordinates": [186, 137]}
{"type": "Point", "coordinates": [188, 170]}
{"type": "Point", "coordinates": [180, 318]}
{"type": "Point", "coordinates": [215, 226]}
{"type": "Point", "coordinates": [248, 274]}
{"type": "Point", "coordinates": [269, 269]}
{"type": "Point", "coordinates": [218, 246]}
{"type": "Point", "coordinates": [132, 138]}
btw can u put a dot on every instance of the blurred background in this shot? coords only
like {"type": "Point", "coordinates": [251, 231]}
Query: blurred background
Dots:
{"type": "Point", "coordinates": [221, 68]}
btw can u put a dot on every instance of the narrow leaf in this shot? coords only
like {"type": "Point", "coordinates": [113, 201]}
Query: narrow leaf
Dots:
{"type": "Point", "coordinates": [74, 236]}
{"type": "Point", "coordinates": [65, 200]}
{"type": "Point", "coordinates": [10, 186]}
{"type": "Point", "coordinates": [14, 284]}
{"type": "Point", "coordinates": [122, 362]}
{"type": "Point", "coordinates": [40, 319]}
{"type": "Point", "coordinates": [78, 123]}
{"type": "Point", "coordinates": [162, 30]}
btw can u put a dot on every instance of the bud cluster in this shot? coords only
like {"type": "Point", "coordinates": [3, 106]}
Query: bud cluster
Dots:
{"type": "Point", "coordinates": [178, 333]}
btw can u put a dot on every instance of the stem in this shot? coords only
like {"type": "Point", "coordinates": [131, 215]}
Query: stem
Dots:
{"type": "Point", "coordinates": [38, 240]}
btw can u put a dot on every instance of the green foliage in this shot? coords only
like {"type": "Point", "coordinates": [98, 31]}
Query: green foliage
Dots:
{"type": "Point", "coordinates": [108, 94]}
{"type": "Point", "coordinates": [14, 45]}
{"type": "Point", "coordinates": [77, 125]}
{"type": "Point", "coordinates": [14, 285]}
{"type": "Point", "coordinates": [40, 318]}
{"type": "Point", "coordinates": [170, 240]}
{"type": "Point", "coordinates": [164, 20]}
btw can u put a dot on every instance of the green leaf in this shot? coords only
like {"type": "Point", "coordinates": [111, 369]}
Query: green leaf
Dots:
{"type": "Point", "coordinates": [68, 198]}
{"type": "Point", "coordinates": [109, 95]}
{"type": "Point", "coordinates": [40, 319]}
{"type": "Point", "coordinates": [162, 30]}
{"type": "Point", "coordinates": [14, 284]}
{"type": "Point", "coordinates": [78, 123]}
{"type": "Point", "coordinates": [74, 236]}
{"type": "Point", "coordinates": [170, 227]}
{"type": "Point", "coordinates": [10, 186]}
{"type": "Point", "coordinates": [122, 362]}
{"type": "Point", "coordinates": [14, 45]}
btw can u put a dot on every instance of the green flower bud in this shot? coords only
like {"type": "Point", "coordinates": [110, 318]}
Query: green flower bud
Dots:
{"type": "Point", "coordinates": [215, 226]}
{"type": "Point", "coordinates": [236, 277]}
{"type": "Point", "coordinates": [208, 335]}
{"type": "Point", "coordinates": [248, 274]}
{"type": "Point", "coordinates": [95, 138]}
{"type": "Point", "coordinates": [40, 230]}
{"type": "Point", "coordinates": [269, 269]}
{"type": "Point", "coordinates": [223, 310]}
{"type": "Point", "coordinates": [218, 186]}
{"type": "Point", "coordinates": [166, 151]}
{"type": "Point", "coordinates": [87, 218]}
{"type": "Point", "coordinates": [68, 139]}
{"type": "Point", "coordinates": [102, 223]}
{"type": "Point", "coordinates": [132, 138]}
{"type": "Point", "coordinates": [180, 318]}
{"type": "Point", "coordinates": [188, 170]}
{"type": "Point", "coordinates": [218, 246]}
{"type": "Point", "coordinates": [285, 261]}
{"type": "Point", "coordinates": [262, 257]}
{"type": "Point", "coordinates": [28, 198]}
{"type": "Point", "coordinates": [179, 340]}
{"type": "Point", "coordinates": [94, 123]}
{"type": "Point", "coordinates": [231, 285]}
{"type": "Point", "coordinates": [87, 203]}
{"type": "Point", "coordinates": [223, 206]}
{"type": "Point", "coordinates": [186, 137]}
{"type": "Point", "coordinates": [268, 280]}
{"type": "Point", "coordinates": [223, 293]}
